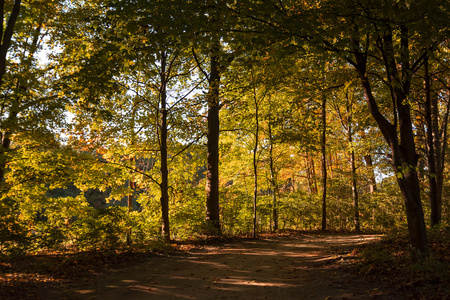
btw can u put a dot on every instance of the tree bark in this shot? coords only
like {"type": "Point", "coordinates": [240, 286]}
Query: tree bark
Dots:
{"type": "Point", "coordinates": [212, 172]}
{"type": "Point", "coordinates": [5, 39]}
{"type": "Point", "coordinates": [165, 227]}
{"type": "Point", "coordinates": [7, 33]}
{"type": "Point", "coordinates": [313, 175]}
{"type": "Point", "coordinates": [6, 143]}
{"type": "Point", "coordinates": [355, 192]}
{"type": "Point", "coordinates": [373, 182]}
{"type": "Point", "coordinates": [353, 169]}
{"type": "Point", "coordinates": [324, 164]}
{"type": "Point", "coordinates": [435, 153]}
{"type": "Point", "coordinates": [255, 170]}
{"type": "Point", "coordinates": [273, 181]}
{"type": "Point", "coordinates": [130, 201]}
{"type": "Point", "coordinates": [403, 150]}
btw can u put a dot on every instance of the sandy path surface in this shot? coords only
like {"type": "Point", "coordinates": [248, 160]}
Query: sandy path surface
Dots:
{"type": "Point", "coordinates": [294, 267]}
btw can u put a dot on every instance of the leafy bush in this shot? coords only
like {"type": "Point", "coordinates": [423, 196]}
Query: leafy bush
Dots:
{"type": "Point", "coordinates": [102, 228]}
{"type": "Point", "coordinates": [13, 232]}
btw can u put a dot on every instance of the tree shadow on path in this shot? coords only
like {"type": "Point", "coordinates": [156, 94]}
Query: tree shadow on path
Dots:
{"type": "Point", "coordinates": [306, 266]}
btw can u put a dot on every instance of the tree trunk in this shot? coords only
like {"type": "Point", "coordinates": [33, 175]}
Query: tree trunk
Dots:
{"type": "Point", "coordinates": [435, 153]}
{"type": "Point", "coordinates": [353, 171]}
{"type": "Point", "coordinates": [315, 189]}
{"type": "Point", "coordinates": [400, 134]}
{"type": "Point", "coordinates": [404, 161]}
{"type": "Point", "coordinates": [130, 201]}
{"type": "Point", "coordinates": [373, 182]}
{"type": "Point", "coordinates": [5, 42]}
{"type": "Point", "coordinates": [6, 143]}
{"type": "Point", "coordinates": [273, 181]}
{"type": "Point", "coordinates": [355, 192]}
{"type": "Point", "coordinates": [308, 173]}
{"type": "Point", "coordinates": [324, 164]}
{"type": "Point", "coordinates": [212, 172]}
{"type": "Point", "coordinates": [311, 174]}
{"type": "Point", "coordinates": [6, 35]}
{"type": "Point", "coordinates": [165, 227]}
{"type": "Point", "coordinates": [255, 164]}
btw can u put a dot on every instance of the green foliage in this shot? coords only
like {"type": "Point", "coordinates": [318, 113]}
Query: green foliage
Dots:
{"type": "Point", "coordinates": [101, 228]}
{"type": "Point", "coordinates": [13, 231]}
{"type": "Point", "coordinates": [105, 78]}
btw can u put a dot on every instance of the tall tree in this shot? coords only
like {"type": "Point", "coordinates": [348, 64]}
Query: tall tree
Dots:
{"type": "Point", "coordinates": [144, 56]}
{"type": "Point", "coordinates": [7, 33]}
{"type": "Point", "coordinates": [31, 102]}
{"type": "Point", "coordinates": [436, 121]}
{"type": "Point", "coordinates": [215, 40]}
{"type": "Point", "coordinates": [392, 45]}
{"type": "Point", "coordinates": [212, 172]}
{"type": "Point", "coordinates": [386, 43]}
{"type": "Point", "coordinates": [324, 162]}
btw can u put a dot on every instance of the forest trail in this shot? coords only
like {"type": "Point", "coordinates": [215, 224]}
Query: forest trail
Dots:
{"type": "Point", "coordinates": [306, 266]}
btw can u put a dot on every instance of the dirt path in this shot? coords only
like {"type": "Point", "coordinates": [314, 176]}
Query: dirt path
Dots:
{"type": "Point", "coordinates": [294, 267]}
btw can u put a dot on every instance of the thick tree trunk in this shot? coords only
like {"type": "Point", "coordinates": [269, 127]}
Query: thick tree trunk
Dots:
{"type": "Point", "coordinates": [212, 172]}
{"type": "Point", "coordinates": [409, 186]}
{"type": "Point", "coordinates": [5, 42]}
{"type": "Point", "coordinates": [400, 134]}
{"type": "Point", "coordinates": [165, 227]}
{"type": "Point", "coordinates": [6, 35]}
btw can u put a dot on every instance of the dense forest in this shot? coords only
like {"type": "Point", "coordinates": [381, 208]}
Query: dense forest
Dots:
{"type": "Point", "coordinates": [129, 121]}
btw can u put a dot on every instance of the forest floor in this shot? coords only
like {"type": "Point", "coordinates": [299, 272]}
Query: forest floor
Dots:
{"type": "Point", "coordinates": [289, 266]}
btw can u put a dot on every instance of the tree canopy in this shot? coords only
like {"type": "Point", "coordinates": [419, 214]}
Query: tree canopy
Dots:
{"type": "Point", "coordinates": [123, 121]}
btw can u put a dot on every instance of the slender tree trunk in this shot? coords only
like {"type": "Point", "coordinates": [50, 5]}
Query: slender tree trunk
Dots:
{"type": "Point", "coordinates": [435, 150]}
{"type": "Point", "coordinates": [130, 201]}
{"type": "Point", "coordinates": [324, 164]}
{"type": "Point", "coordinates": [255, 165]}
{"type": "Point", "coordinates": [431, 153]}
{"type": "Point", "coordinates": [165, 228]}
{"type": "Point", "coordinates": [355, 192]}
{"type": "Point", "coordinates": [330, 164]}
{"type": "Point", "coordinates": [273, 181]}
{"type": "Point", "coordinates": [443, 143]}
{"type": "Point", "coordinates": [308, 173]}
{"type": "Point", "coordinates": [132, 185]}
{"type": "Point", "coordinates": [315, 189]}
{"type": "Point", "coordinates": [353, 171]}
{"type": "Point", "coordinates": [212, 172]}
{"type": "Point", "coordinates": [373, 182]}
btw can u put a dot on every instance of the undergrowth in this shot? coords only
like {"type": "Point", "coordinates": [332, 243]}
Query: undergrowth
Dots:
{"type": "Point", "coordinates": [390, 258]}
